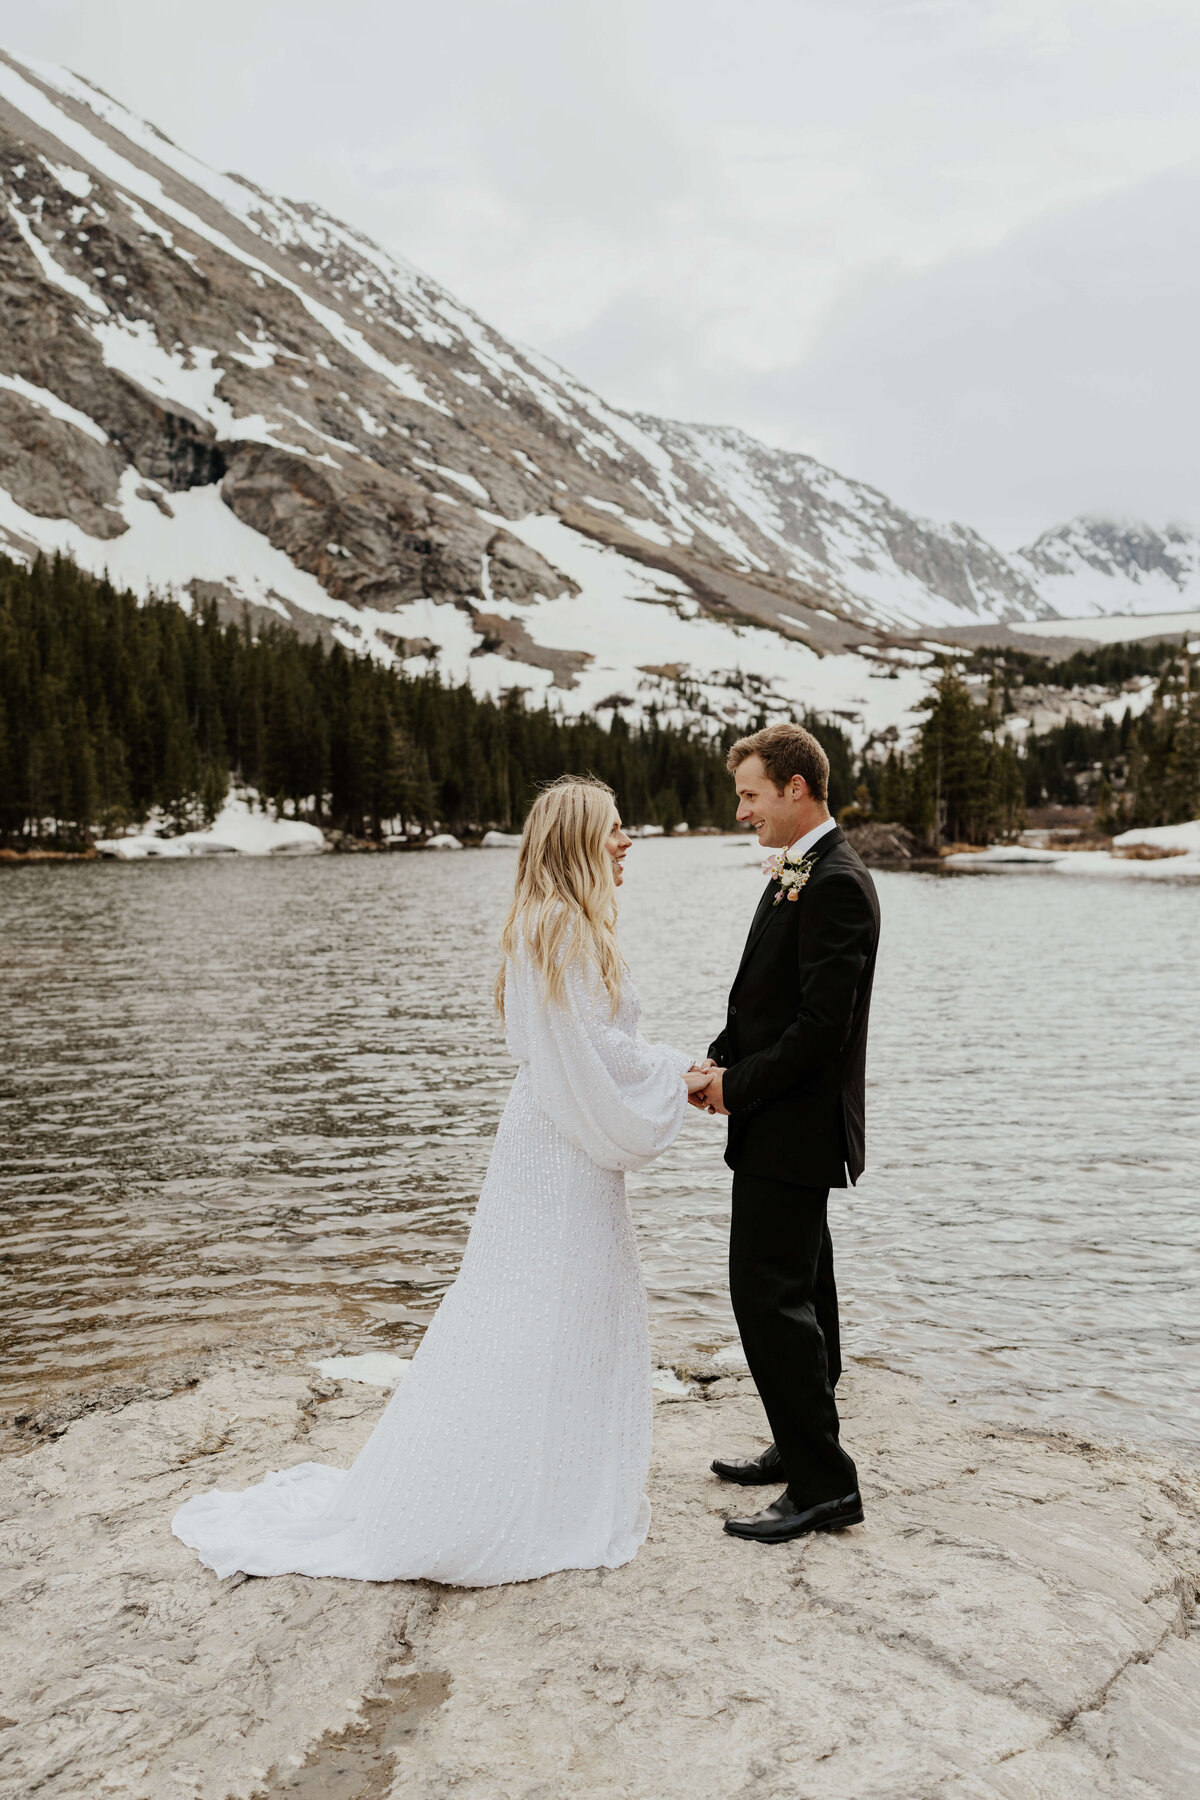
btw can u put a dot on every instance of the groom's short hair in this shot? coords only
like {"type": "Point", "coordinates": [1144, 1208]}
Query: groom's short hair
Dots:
{"type": "Point", "coordinates": [785, 750]}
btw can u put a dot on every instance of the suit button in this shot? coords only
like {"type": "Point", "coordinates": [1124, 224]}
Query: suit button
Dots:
{"type": "Point", "coordinates": [732, 1009]}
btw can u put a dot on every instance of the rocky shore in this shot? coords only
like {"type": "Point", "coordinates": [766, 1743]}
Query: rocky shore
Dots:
{"type": "Point", "coordinates": [1015, 1621]}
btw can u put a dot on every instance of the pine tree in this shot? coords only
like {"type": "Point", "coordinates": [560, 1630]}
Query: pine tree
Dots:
{"type": "Point", "coordinates": [953, 751]}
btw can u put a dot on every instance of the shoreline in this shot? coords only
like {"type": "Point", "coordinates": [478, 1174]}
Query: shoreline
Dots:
{"type": "Point", "coordinates": [1015, 1619]}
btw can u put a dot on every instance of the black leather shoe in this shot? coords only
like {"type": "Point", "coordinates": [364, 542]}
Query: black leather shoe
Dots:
{"type": "Point", "coordinates": [755, 1471]}
{"type": "Point", "coordinates": [783, 1519]}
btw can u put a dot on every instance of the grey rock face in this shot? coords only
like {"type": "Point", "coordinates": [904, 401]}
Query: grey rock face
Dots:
{"type": "Point", "coordinates": [55, 472]}
{"type": "Point", "coordinates": [1095, 566]}
{"type": "Point", "coordinates": [848, 538]}
{"type": "Point", "coordinates": [1117, 547]}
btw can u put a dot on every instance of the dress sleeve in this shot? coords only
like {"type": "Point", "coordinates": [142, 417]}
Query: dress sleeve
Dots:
{"type": "Point", "coordinates": [614, 1096]}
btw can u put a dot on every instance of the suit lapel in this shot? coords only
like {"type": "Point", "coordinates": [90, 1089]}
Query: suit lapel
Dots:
{"type": "Point", "coordinates": [757, 925]}
{"type": "Point", "coordinates": [767, 904]}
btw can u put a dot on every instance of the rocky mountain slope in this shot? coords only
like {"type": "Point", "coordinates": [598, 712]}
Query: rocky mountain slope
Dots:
{"type": "Point", "coordinates": [227, 395]}
{"type": "Point", "coordinates": [1100, 566]}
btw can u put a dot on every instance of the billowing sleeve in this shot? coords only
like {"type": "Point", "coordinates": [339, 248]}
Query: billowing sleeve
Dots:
{"type": "Point", "coordinates": [614, 1096]}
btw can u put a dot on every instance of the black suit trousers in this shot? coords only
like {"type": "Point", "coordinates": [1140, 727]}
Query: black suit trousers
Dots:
{"type": "Point", "coordinates": [784, 1298]}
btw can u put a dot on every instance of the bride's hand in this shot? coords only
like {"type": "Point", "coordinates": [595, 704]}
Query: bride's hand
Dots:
{"type": "Point", "coordinates": [697, 1078]}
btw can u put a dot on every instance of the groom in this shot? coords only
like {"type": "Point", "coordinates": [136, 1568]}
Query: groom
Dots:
{"type": "Point", "coordinates": [789, 1072]}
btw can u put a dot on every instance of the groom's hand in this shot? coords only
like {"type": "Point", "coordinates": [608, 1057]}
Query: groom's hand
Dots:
{"type": "Point", "coordinates": [712, 1097]}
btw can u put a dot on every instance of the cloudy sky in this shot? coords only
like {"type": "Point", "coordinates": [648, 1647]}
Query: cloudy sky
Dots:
{"type": "Point", "coordinates": [950, 246]}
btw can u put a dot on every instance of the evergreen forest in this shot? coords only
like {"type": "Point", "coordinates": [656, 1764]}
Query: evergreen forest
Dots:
{"type": "Point", "coordinates": [965, 781]}
{"type": "Point", "coordinates": [112, 710]}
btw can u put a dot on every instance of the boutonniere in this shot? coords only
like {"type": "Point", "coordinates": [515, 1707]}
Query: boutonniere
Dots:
{"type": "Point", "coordinates": [790, 871]}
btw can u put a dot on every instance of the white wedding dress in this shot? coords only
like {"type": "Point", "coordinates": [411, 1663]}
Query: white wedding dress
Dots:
{"type": "Point", "coordinates": [519, 1440]}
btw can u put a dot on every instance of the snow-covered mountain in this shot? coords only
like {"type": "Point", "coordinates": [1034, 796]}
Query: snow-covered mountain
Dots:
{"type": "Point", "coordinates": [1100, 566]}
{"type": "Point", "coordinates": [223, 394]}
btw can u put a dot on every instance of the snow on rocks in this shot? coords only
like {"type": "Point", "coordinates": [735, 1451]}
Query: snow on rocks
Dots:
{"type": "Point", "coordinates": [1129, 867]}
{"type": "Point", "coordinates": [670, 1385]}
{"type": "Point", "coordinates": [143, 848]}
{"type": "Point", "coordinates": [1115, 628]}
{"type": "Point", "coordinates": [236, 831]}
{"type": "Point", "coordinates": [1155, 853]}
{"type": "Point", "coordinates": [501, 840]}
{"type": "Point", "coordinates": [1109, 565]}
{"type": "Point", "coordinates": [376, 1368]}
{"type": "Point", "coordinates": [681, 568]}
{"type": "Point", "coordinates": [442, 840]}
{"type": "Point", "coordinates": [999, 853]}
{"type": "Point", "coordinates": [1185, 837]}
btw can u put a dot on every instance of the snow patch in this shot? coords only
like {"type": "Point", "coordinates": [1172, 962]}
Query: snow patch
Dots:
{"type": "Point", "coordinates": [666, 1381]}
{"type": "Point", "coordinates": [1183, 839]}
{"type": "Point", "coordinates": [40, 396]}
{"type": "Point", "coordinates": [376, 1368]}
{"type": "Point", "coordinates": [1166, 837]}
{"type": "Point", "coordinates": [464, 481]}
{"type": "Point", "coordinates": [205, 540]}
{"type": "Point", "coordinates": [1001, 854]}
{"type": "Point", "coordinates": [108, 161]}
{"type": "Point", "coordinates": [131, 347]}
{"type": "Point", "coordinates": [644, 528]}
{"type": "Point", "coordinates": [73, 181]}
{"type": "Point", "coordinates": [51, 269]}
{"type": "Point", "coordinates": [236, 831]}
{"type": "Point", "coordinates": [370, 424]}
{"type": "Point", "coordinates": [1114, 628]}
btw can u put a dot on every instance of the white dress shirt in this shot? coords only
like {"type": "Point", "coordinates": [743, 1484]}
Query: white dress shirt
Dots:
{"type": "Point", "coordinates": [804, 844]}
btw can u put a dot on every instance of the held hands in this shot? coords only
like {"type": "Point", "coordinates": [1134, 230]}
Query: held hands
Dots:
{"type": "Point", "coordinates": [704, 1086]}
{"type": "Point", "coordinates": [697, 1079]}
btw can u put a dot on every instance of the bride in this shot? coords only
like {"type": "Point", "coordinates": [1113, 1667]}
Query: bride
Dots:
{"type": "Point", "coordinates": [519, 1440]}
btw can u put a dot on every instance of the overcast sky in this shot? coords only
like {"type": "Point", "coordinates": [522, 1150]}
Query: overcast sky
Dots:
{"type": "Point", "coordinates": [950, 246]}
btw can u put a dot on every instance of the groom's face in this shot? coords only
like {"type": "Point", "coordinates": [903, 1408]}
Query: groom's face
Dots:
{"type": "Point", "coordinates": [760, 804]}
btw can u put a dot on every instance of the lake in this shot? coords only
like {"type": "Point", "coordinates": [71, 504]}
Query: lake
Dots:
{"type": "Point", "coordinates": [257, 1097]}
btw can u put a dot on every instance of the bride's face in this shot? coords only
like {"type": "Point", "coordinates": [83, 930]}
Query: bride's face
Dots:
{"type": "Point", "coordinates": [617, 843]}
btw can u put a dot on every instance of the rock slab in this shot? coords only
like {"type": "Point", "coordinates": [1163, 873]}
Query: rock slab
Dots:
{"type": "Point", "coordinates": [1013, 1622]}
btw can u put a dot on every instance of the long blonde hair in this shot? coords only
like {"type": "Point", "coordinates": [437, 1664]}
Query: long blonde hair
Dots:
{"type": "Point", "coordinates": [564, 906]}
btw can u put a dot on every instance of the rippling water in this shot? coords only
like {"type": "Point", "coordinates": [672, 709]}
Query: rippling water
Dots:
{"type": "Point", "coordinates": [259, 1096]}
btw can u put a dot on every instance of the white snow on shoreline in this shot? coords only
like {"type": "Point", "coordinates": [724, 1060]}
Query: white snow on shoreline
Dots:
{"type": "Point", "coordinates": [1000, 853]}
{"type": "Point", "coordinates": [1101, 862]}
{"type": "Point", "coordinates": [1166, 837]}
{"type": "Point", "coordinates": [236, 831]}
{"type": "Point", "coordinates": [1183, 839]}
{"type": "Point", "coordinates": [1113, 628]}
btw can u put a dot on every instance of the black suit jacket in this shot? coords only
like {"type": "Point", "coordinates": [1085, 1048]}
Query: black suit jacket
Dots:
{"type": "Point", "coordinates": [794, 1045]}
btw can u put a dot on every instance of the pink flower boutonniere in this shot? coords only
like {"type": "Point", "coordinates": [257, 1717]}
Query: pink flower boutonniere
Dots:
{"type": "Point", "coordinates": [790, 871]}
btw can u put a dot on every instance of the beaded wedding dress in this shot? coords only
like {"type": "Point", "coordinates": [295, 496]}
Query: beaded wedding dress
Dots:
{"type": "Point", "coordinates": [519, 1440]}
